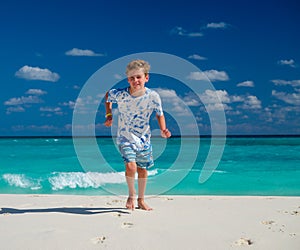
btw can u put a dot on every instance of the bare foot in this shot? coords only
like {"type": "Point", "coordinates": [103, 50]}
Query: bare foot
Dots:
{"type": "Point", "coordinates": [143, 205]}
{"type": "Point", "coordinates": [130, 203]}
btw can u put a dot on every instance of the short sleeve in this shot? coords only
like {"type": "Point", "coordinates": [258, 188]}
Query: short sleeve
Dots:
{"type": "Point", "coordinates": [156, 102]}
{"type": "Point", "coordinates": [112, 95]}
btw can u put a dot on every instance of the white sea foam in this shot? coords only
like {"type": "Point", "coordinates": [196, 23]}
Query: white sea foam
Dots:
{"type": "Point", "coordinates": [152, 172]}
{"type": "Point", "coordinates": [220, 172]}
{"type": "Point", "coordinates": [195, 170]}
{"type": "Point", "coordinates": [73, 180]}
{"type": "Point", "coordinates": [61, 180]}
{"type": "Point", "coordinates": [20, 180]}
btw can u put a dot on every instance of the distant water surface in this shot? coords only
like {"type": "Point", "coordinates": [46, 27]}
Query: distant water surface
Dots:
{"type": "Point", "coordinates": [249, 166]}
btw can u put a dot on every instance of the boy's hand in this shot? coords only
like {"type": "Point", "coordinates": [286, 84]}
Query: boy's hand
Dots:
{"type": "Point", "coordinates": [165, 133]}
{"type": "Point", "coordinates": [108, 121]}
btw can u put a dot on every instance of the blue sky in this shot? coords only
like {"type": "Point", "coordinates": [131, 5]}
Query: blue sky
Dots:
{"type": "Point", "coordinates": [248, 49]}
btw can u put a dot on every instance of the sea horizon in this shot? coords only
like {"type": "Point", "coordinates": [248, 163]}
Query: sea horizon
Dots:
{"type": "Point", "coordinates": [154, 136]}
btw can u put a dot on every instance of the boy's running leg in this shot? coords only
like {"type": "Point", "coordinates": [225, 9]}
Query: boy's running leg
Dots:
{"type": "Point", "coordinates": [142, 182]}
{"type": "Point", "coordinates": [130, 176]}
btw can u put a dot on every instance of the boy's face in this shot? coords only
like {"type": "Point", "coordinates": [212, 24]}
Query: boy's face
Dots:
{"type": "Point", "coordinates": [137, 80]}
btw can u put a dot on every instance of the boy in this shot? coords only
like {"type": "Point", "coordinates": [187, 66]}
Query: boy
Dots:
{"type": "Point", "coordinates": [135, 105]}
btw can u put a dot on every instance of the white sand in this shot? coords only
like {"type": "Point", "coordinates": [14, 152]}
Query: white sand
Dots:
{"type": "Point", "coordinates": [177, 222]}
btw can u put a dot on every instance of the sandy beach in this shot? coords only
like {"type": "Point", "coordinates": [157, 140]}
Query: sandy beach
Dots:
{"type": "Point", "coordinates": [177, 222]}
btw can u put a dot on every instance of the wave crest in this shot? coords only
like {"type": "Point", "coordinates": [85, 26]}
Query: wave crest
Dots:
{"type": "Point", "coordinates": [73, 180]}
{"type": "Point", "coordinates": [20, 180]}
{"type": "Point", "coordinates": [62, 180]}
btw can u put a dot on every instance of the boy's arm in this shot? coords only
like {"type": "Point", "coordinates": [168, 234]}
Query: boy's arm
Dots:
{"type": "Point", "coordinates": [165, 133]}
{"type": "Point", "coordinates": [108, 112]}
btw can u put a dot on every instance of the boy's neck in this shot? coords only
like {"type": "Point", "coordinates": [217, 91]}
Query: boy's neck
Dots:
{"type": "Point", "coordinates": [137, 93]}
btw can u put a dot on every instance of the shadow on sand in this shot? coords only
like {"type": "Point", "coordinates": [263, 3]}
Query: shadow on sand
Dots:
{"type": "Point", "coordinates": [68, 210]}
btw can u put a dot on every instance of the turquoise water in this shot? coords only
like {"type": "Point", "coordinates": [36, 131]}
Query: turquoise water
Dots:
{"type": "Point", "coordinates": [249, 166]}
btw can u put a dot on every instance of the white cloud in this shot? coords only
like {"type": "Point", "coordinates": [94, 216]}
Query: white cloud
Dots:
{"type": "Point", "coordinates": [43, 128]}
{"type": "Point", "coordinates": [180, 110]}
{"type": "Point", "coordinates": [220, 25]}
{"type": "Point", "coordinates": [215, 100]}
{"type": "Point", "coordinates": [35, 92]}
{"type": "Point", "coordinates": [212, 75]}
{"type": "Point", "coordinates": [283, 114]}
{"type": "Point", "coordinates": [172, 102]}
{"type": "Point", "coordinates": [214, 96]}
{"type": "Point", "coordinates": [290, 63]}
{"type": "Point", "coordinates": [252, 102]}
{"type": "Point", "coordinates": [246, 84]}
{"type": "Point", "coordinates": [23, 100]}
{"type": "Point", "coordinates": [167, 93]}
{"type": "Point", "coordinates": [84, 105]}
{"type": "Point", "coordinates": [69, 104]}
{"type": "Point", "coordinates": [85, 129]}
{"type": "Point", "coordinates": [293, 83]}
{"type": "Point", "coordinates": [219, 100]}
{"type": "Point", "coordinates": [51, 110]}
{"type": "Point", "coordinates": [197, 57]}
{"type": "Point", "coordinates": [36, 73]}
{"type": "Point", "coordinates": [234, 112]}
{"type": "Point", "coordinates": [179, 31]}
{"type": "Point", "coordinates": [198, 76]}
{"type": "Point", "coordinates": [236, 98]}
{"type": "Point", "coordinates": [217, 107]}
{"type": "Point", "coordinates": [82, 52]}
{"type": "Point", "coordinates": [293, 98]}
{"type": "Point", "coordinates": [18, 104]}
{"type": "Point", "coordinates": [191, 101]}
{"type": "Point", "coordinates": [13, 109]}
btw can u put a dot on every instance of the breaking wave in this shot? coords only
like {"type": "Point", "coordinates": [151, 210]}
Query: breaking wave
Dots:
{"type": "Point", "coordinates": [62, 180]}
{"type": "Point", "coordinates": [22, 181]}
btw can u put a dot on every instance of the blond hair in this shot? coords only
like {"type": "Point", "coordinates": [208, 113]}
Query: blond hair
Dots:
{"type": "Point", "coordinates": [138, 65]}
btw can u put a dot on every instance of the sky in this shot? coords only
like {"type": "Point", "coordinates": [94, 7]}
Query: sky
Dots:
{"type": "Point", "coordinates": [249, 50]}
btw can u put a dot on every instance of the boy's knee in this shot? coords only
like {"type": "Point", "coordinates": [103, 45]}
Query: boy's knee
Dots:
{"type": "Point", "coordinates": [142, 172]}
{"type": "Point", "coordinates": [130, 168]}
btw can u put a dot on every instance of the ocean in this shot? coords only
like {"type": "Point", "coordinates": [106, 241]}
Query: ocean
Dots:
{"type": "Point", "coordinates": [248, 166]}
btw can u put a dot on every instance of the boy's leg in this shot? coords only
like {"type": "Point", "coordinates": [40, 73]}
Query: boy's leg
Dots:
{"type": "Point", "coordinates": [142, 181]}
{"type": "Point", "coordinates": [130, 176]}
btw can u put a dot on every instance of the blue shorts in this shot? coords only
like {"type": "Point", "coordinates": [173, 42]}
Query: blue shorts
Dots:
{"type": "Point", "coordinates": [143, 158]}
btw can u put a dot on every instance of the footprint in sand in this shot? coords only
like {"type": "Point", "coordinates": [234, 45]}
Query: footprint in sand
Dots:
{"type": "Point", "coordinates": [274, 226]}
{"type": "Point", "coordinates": [294, 212]}
{"type": "Point", "coordinates": [98, 240]}
{"type": "Point", "coordinates": [268, 222]}
{"type": "Point", "coordinates": [243, 242]}
{"type": "Point", "coordinates": [117, 215]}
{"type": "Point", "coordinates": [114, 202]}
{"type": "Point", "coordinates": [127, 225]}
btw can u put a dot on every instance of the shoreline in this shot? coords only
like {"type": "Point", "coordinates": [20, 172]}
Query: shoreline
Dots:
{"type": "Point", "coordinates": [38, 221]}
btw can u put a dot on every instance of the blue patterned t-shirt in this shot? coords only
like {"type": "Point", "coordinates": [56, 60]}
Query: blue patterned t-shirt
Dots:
{"type": "Point", "coordinates": [134, 115]}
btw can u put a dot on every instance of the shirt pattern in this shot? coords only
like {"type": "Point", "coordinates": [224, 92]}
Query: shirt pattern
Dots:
{"type": "Point", "coordinates": [134, 116]}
